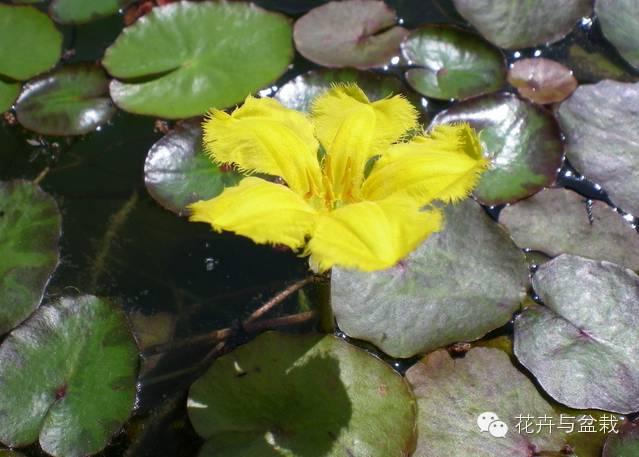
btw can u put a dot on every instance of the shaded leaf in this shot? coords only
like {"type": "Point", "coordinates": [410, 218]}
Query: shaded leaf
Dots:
{"type": "Point", "coordinates": [81, 11]}
{"type": "Point", "coordinates": [619, 20]}
{"type": "Point", "coordinates": [542, 80]}
{"type": "Point", "coordinates": [8, 93]}
{"type": "Point", "coordinates": [624, 444]}
{"type": "Point", "coordinates": [592, 65]}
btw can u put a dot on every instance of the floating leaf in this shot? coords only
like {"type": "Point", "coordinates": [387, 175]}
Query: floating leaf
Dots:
{"type": "Point", "coordinates": [583, 346]}
{"type": "Point", "coordinates": [521, 139]}
{"type": "Point", "coordinates": [71, 101]}
{"type": "Point", "coordinates": [8, 93]}
{"type": "Point", "coordinates": [454, 394]}
{"type": "Point", "coordinates": [520, 23]}
{"type": "Point", "coordinates": [625, 443]}
{"type": "Point", "coordinates": [68, 375]}
{"type": "Point", "coordinates": [349, 33]}
{"type": "Point", "coordinates": [593, 65]}
{"type": "Point", "coordinates": [599, 122]}
{"type": "Point", "coordinates": [81, 11]}
{"type": "Point", "coordinates": [183, 58]}
{"type": "Point", "coordinates": [458, 285]}
{"type": "Point", "coordinates": [29, 232]}
{"type": "Point", "coordinates": [556, 221]}
{"type": "Point", "coordinates": [36, 44]}
{"type": "Point", "coordinates": [8, 453]}
{"type": "Point", "coordinates": [619, 21]}
{"type": "Point", "coordinates": [177, 172]}
{"type": "Point", "coordinates": [302, 395]}
{"type": "Point", "coordinates": [542, 80]}
{"type": "Point", "coordinates": [452, 63]}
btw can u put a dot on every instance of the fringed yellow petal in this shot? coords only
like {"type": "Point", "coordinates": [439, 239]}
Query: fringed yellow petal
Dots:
{"type": "Point", "coordinates": [261, 210]}
{"type": "Point", "coordinates": [265, 137]}
{"type": "Point", "coordinates": [370, 236]}
{"type": "Point", "coordinates": [445, 166]}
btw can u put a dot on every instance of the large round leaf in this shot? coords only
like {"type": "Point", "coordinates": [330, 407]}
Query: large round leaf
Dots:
{"type": "Point", "coordinates": [583, 346]}
{"type": "Point", "coordinates": [452, 394]}
{"type": "Point", "coordinates": [625, 443]}
{"type": "Point", "coordinates": [302, 396]}
{"type": "Point", "coordinates": [68, 375]}
{"type": "Point", "coordinates": [558, 221]}
{"type": "Point", "coordinates": [523, 23]}
{"type": "Point", "coordinates": [522, 141]}
{"type": "Point", "coordinates": [184, 58]}
{"type": "Point", "coordinates": [619, 21]}
{"type": "Point", "coordinates": [542, 80]}
{"type": "Point", "coordinates": [29, 232]}
{"type": "Point", "coordinates": [458, 285]}
{"type": "Point", "coordinates": [602, 138]}
{"type": "Point", "coordinates": [71, 101]}
{"type": "Point", "coordinates": [177, 172]}
{"type": "Point", "coordinates": [452, 63]}
{"type": "Point", "coordinates": [9, 91]}
{"type": "Point", "coordinates": [80, 11]}
{"type": "Point", "coordinates": [349, 33]}
{"type": "Point", "coordinates": [30, 42]}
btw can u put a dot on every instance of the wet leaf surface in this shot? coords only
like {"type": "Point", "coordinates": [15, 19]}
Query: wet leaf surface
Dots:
{"type": "Point", "coordinates": [556, 221]}
{"type": "Point", "coordinates": [177, 172]}
{"type": "Point", "coordinates": [542, 80]}
{"type": "Point", "coordinates": [350, 33]}
{"type": "Point", "coordinates": [454, 394]}
{"type": "Point", "coordinates": [184, 58]}
{"type": "Point", "coordinates": [71, 101]}
{"type": "Point", "coordinates": [458, 285]}
{"type": "Point", "coordinates": [29, 232]}
{"type": "Point", "coordinates": [81, 11]}
{"type": "Point", "coordinates": [599, 122]}
{"type": "Point", "coordinates": [521, 139]}
{"type": "Point", "coordinates": [452, 63]}
{"type": "Point", "coordinates": [619, 20]}
{"type": "Point", "coordinates": [8, 93]}
{"type": "Point", "coordinates": [68, 377]}
{"type": "Point", "coordinates": [625, 443]}
{"type": "Point", "coordinates": [39, 40]}
{"type": "Point", "coordinates": [522, 24]}
{"type": "Point", "coordinates": [583, 346]}
{"type": "Point", "coordinates": [302, 395]}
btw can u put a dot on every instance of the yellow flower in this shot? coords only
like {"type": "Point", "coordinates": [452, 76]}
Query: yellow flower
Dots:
{"type": "Point", "coordinates": [329, 205]}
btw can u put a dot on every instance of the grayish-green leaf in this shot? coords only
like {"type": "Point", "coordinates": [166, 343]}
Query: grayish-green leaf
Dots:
{"type": "Point", "coordinates": [81, 11]}
{"type": "Point", "coordinates": [625, 443]}
{"type": "Point", "coordinates": [619, 21]}
{"type": "Point", "coordinates": [583, 346]}
{"type": "Point", "coordinates": [458, 285]}
{"type": "Point", "coordinates": [556, 221]}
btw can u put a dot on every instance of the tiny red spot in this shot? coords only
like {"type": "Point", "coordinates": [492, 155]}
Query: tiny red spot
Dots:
{"type": "Point", "coordinates": [60, 392]}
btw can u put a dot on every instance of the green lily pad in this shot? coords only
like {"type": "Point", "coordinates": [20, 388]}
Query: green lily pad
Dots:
{"type": "Point", "coordinates": [452, 63]}
{"type": "Point", "coordinates": [71, 101]}
{"type": "Point", "coordinates": [81, 11]}
{"type": "Point", "coordinates": [542, 80]}
{"type": "Point", "coordinates": [302, 395]}
{"type": "Point", "coordinates": [619, 20]}
{"type": "Point", "coordinates": [8, 93]}
{"type": "Point", "coordinates": [458, 285]}
{"type": "Point", "coordinates": [583, 346]}
{"type": "Point", "coordinates": [29, 233]}
{"type": "Point", "coordinates": [521, 139]}
{"type": "Point", "coordinates": [184, 58]}
{"type": "Point", "coordinates": [350, 33]}
{"type": "Point", "coordinates": [36, 44]}
{"type": "Point", "coordinates": [625, 443]}
{"type": "Point", "coordinates": [523, 23]}
{"type": "Point", "coordinates": [177, 172]}
{"type": "Point", "coordinates": [68, 375]}
{"type": "Point", "coordinates": [556, 221]}
{"type": "Point", "coordinates": [599, 122]}
{"type": "Point", "coordinates": [456, 396]}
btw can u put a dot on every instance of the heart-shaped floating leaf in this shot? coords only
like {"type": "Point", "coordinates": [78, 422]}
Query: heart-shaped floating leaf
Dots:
{"type": "Point", "coordinates": [184, 58]}
{"type": "Point", "coordinates": [583, 346]}
{"type": "Point", "coordinates": [452, 63]}
{"type": "Point", "coordinates": [521, 24]}
{"type": "Point", "coordinates": [461, 403]}
{"type": "Point", "coordinates": [302, 396]}
{"type": "Point", "coordinates": [81, 11]}
{"type": "Point", "coordinates": [29, 233]}
{"type": "Point", "coordinates": [177, 172]}
{"type": "Point", "coordinates": [559, 221]}
{"type": "Point", "coordinates": [625, 443]}
{"type": "Point", "coordinates": [71, 101]}
{"type": "Point", "coordinates": [349, 33]}
{"type": "Point", "coordinates": [35, 46]}
{"type": "Point", "coordinates": [9, 91]}
{"type": "Point", "coordinates": [619, 21]}
{"type": "Point", "coordinates": [68, 375]}
{"type": "Point", "coordinates": [521, 139]}
{"type": "Point", "coordinates": [602, 138]}
{"type": "Point", "coordinates": [542, 80]}
{"type": "Point", "coordinates": [458, 285]}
